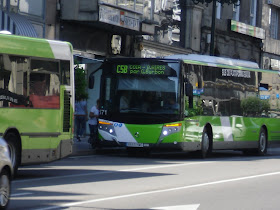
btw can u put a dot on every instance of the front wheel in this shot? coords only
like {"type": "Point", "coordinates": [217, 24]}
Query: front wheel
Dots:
{"type": "Point", "coordinates": [262, 144]}
{"type": "Point", "coordinates": [14, 149]}
{"type": "Point", "coordinates": [205, 145]}
{"type": "Point", "coordinates": [5, 189]}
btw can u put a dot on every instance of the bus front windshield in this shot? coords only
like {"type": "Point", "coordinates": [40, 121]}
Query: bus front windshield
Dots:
{"type": "Point", "coordinates": [142, 97]}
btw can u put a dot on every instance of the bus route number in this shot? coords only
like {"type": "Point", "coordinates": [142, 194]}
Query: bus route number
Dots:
{"type": "Point", "coordinates": [103, 112]}
{"type": "Point", "coordinates": [122, 69]}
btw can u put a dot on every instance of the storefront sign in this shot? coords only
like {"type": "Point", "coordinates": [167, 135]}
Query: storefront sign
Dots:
{"type": "Point", "coordinates": [247, 29]}
{"type": "Point", "coordinates": [119, 17]}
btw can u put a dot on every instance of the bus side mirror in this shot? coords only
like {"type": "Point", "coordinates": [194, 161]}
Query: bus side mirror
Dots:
{"type": "Point", "coordinates": [91, 82]}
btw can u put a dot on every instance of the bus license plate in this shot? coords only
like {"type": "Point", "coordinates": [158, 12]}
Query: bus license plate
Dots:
{"type": "Point", "coordinates": [134, 144]}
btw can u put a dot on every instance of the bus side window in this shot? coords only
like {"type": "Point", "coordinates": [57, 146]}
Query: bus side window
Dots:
{"type": "Point", "coordinates": [65, 72]}
{"type": "Point", "coordinates": [13, 81]}
{"type": "Point", "coordinates": [189, 93]}
{"type": "Point", "coordinates": [44, 84]}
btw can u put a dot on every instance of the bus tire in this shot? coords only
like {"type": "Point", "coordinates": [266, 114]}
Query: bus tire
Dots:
{"type": "Point", "coordinates": [262, 143]}
{"type": "Point", "coordinates": [205, 144]}
{"type": "Point", "coordinates": [14, 149]}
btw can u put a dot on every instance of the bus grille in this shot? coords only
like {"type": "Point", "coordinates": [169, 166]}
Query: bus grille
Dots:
{"type": "Point", "coordinates": [66, 114]}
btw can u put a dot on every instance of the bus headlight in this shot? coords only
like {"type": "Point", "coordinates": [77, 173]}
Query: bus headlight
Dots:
{"type": "Point", "coordinates": [170, 129]}
{"type": "Point", "coordinates": [107, 127]}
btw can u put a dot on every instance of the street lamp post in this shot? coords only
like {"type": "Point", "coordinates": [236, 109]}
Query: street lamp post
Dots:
{"type": "Point", "coordinates": [213, 23]}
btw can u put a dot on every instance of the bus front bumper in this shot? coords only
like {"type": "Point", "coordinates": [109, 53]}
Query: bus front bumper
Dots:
{"type": "Point", "coordinates": [175, 146]}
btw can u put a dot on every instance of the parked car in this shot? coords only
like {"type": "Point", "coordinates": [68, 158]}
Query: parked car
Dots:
{"type": "Point", "coordinates": [6, 174]}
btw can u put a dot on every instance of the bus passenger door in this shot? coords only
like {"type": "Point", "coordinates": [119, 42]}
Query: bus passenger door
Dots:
{"type": "Point", "coordinates": [94, 79]}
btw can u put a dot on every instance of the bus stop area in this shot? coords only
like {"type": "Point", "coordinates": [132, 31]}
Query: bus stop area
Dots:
{"type": "Point", "coordinates": [84, 148]}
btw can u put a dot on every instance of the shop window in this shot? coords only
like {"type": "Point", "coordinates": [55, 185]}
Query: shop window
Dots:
{"type": "Point", "coordinates": [253, 12]}
{"type": "Point", "coordinates": [236, 11]}
{"type": "Point", "coordinates": [218, 10]}
{"type": "Point", "coordinates": [274, 21]}
{"type": "Point", "coordinates": [32, 7]}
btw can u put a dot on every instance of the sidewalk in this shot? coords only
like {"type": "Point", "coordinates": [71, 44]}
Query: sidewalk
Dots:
{"type": "Point", "coordinates": [82, 147]}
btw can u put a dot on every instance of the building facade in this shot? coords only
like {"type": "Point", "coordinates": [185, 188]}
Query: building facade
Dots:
{"type": "Point", "coordinates": [98, 29]}
{"type": "Point", "coordinates": [25, 17]}
{"type": "Point", "coordinates": [150, 28]}
{"type": "Point", "coordinates": [271, 44]}
{"type": "Point", "coordinates": [238, 33]}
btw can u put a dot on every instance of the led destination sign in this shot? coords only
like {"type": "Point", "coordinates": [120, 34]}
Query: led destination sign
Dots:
{"type": "Point", "coordinates": [144, 69]}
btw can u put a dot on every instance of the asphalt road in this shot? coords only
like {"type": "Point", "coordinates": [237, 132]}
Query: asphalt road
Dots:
{"type": "Point", "coordinates": [113, 180]}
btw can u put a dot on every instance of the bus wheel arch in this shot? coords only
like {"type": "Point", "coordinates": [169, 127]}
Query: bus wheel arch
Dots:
{"type": "Point", "coordinates": [263, 141]}
{"type": "Point", "coordinates": [206, 141]}
{"type": "Point", "coordinates": [13, 139]}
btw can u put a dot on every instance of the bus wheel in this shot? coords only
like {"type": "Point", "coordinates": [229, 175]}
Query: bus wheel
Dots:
{"type": "Point", "coordinates": [14, 150]}
{"type": "Point", "coordinates": [262, 144]}
{"type": "Point", "coordinates": [205, 144]}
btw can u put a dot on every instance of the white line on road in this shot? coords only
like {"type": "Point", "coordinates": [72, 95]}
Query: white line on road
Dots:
{"type": "Point", "coordinates": [162, 191]}
{"type": "Point", "coordinates": [20, 194]}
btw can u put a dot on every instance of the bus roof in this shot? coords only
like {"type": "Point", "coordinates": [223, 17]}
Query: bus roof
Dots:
{"type": "Point", "coordinates": [213, 60]}
{"type": "Point", "coordinates": [35, 47]}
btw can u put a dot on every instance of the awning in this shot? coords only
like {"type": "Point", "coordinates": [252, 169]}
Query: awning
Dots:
{"type": "Point", "coordinates": [85, 60]}
{"type": "Point", "coordinates": [17, 24]}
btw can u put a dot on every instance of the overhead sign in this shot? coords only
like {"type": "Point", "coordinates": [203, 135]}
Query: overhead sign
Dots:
{"type": "Point", "coordinates": [119, 17]}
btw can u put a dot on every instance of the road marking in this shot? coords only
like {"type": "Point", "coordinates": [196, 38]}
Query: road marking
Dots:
{"type": "Point", "coordinates": [181, 207]}
{"type": "Point", "coordinates": [20, 194]}
{"type": "Point", "coordinates": [161, 191]}
{"type": "Point", "coordinates": [110, 172]}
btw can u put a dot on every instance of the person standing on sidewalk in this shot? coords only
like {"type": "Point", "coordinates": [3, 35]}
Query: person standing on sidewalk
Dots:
{"type": "Point", "coordinates": [93, 125]}
{"type": "Point", "coordinates": [80, 117]}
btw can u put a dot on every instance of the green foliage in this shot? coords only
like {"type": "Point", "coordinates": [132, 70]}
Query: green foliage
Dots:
{"type": "Point", "coordinates": [80, 84]}
{"type": "Point", "coordinates": [197, 107]}
{"type": "Point", "coordinates": [253, 106]}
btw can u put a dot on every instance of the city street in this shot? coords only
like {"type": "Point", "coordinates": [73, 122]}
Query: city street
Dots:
{"type": "Point", "coordinates": [113, 180]}
{"type": "Point", "coordinates": [174, 75]}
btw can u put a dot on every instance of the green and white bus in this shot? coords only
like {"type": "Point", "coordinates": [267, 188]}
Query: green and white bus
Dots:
{"type": "Point", "coordinates": [36, 98]}
{"type": "Point", "coordinates": [189, 102]}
